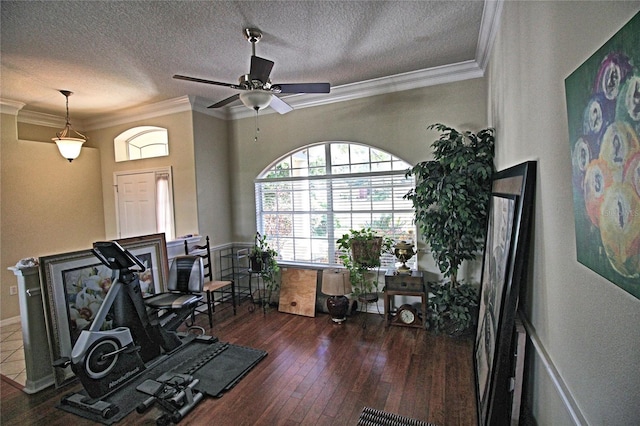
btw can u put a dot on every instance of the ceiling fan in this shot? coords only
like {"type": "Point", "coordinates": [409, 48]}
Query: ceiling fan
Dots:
{"type": "Point", "coordinates": [257, 91]}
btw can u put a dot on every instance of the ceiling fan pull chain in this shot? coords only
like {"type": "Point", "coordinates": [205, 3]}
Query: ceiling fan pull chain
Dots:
{"type": "Point", "coordinates": [255, 139]}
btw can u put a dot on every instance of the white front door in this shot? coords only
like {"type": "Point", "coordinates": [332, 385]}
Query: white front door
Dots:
{"type": "Point", "coordinates": [136, 194]}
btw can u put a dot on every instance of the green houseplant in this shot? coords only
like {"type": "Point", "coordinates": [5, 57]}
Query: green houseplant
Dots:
{"type": "Point", "coordinates": [360, 250]}
{"type": "Point", "coordinates": [451, 200]}
{"type": "Point", "coordinates": [264, 262]}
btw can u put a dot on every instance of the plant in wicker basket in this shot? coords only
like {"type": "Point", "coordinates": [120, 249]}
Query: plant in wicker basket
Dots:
{"type": "Point", "coordinates": [360, 250]}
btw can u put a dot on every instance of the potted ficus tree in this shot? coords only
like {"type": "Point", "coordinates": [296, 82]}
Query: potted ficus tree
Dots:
{"type": "Point", "coordinates": [451, 200]}
{"type": "Point", "coordinates": [263, 259]}
{"type": "Point", "coordinates": [360, 250]}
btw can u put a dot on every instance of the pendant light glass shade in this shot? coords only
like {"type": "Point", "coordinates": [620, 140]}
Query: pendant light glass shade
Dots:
{"type": "Point", "coordinates": [256, 99]}
{"type": "Point", "coordinates": [69, 147]}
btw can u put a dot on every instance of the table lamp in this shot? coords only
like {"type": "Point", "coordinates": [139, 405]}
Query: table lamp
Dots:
{"type": "Point", "coordinates": [336, 283]}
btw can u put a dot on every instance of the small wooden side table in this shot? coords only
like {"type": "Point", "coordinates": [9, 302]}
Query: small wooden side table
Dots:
{"type": "Point", "coordinates": [404, 285]}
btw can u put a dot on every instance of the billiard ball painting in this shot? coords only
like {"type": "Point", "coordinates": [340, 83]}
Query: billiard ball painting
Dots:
{"type": "Point", "coordinates": [603, 112]}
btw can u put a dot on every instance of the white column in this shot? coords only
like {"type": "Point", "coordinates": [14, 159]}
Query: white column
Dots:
{"type": "Point", "coordinates": [37, 353]}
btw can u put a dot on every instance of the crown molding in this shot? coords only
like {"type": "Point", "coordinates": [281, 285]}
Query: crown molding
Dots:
{"type": "Point", "coordinates": [143, 112]}
{"type": "Point", "coordinates": [171, 106]}
{"type": "Point", "coordinates": [396, 83]}
{"type": "Point", "coordinates": [489, 26]}
{"type": "Point", "coordinates": [44, 119]}
{"type": "Point", "coordinates": [201, 105]}
{"type": "Point", "coordinates": [10, 107]}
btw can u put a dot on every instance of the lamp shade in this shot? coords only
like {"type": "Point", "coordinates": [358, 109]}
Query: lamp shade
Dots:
{"type": "Point", "coordinates": [336, 282]}
{"type": "Point", "coordinates": [256, 99]}
{"type": "Point", "coordinates": [69, 147]}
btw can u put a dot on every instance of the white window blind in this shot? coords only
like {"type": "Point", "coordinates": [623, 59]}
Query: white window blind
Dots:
{"type": "Point", "coordinates": [310, 198]}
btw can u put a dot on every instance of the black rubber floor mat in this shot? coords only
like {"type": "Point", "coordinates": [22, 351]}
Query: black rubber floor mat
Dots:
{"type": "Point", "coordinates": [224, 371]}
{"type": "Point", "coordinates": [218, 366]}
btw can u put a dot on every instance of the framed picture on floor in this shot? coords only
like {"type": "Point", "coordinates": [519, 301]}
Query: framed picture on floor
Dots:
{"type": "Point", "coordinates": [504, 274]}
{"type": "Point", "coordinates": [494, 275]}
{"type": "Point", "coordinates": [75, 284]}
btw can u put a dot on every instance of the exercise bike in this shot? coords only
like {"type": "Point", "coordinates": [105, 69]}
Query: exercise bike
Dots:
{"type": "Point", "coordinates": [104, 360]}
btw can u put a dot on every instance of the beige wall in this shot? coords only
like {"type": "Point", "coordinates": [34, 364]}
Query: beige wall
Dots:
{"type": "Point", "coordinates": [49, 205]}
{"type": "Point", "coordinates": [585, 326]}
{"type": "Point", "coordinates": [181, 158]}
{"type": "Point", "coordinates": [394, 122]}
{"type": "Point", "coordinates": [213, 177]}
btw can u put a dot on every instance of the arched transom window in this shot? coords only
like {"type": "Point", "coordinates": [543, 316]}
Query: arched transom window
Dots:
{"type": "Point", "coordinates": [308, 199]}
{"type": "Point", "coordinates": [141, 142]}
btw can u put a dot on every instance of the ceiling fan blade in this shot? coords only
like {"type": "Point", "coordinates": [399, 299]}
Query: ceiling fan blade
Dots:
{"type": "Point", "coordinates": [303, 88]}
{"type": "Point", "coordinates": [200, 80]}
{"type": "Point", "coordinates": [279, 105]}
{"type": "Point", "coordinates": [225, 101]}
{"type": "Point", "coordinates": [260, 68]}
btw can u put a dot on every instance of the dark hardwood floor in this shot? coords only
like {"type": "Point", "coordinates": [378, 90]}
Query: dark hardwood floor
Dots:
{"type": "Point", "coordinates": [316, 373]}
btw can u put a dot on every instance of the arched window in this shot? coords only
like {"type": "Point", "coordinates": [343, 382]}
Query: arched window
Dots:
{"type": "Point", "coordinates": [141, 142]}
{"type": "Point", "coordinates": [308, 199]}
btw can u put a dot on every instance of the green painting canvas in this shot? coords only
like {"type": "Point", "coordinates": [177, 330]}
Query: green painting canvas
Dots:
{"type": "Point", "coordinates": [603, 108]}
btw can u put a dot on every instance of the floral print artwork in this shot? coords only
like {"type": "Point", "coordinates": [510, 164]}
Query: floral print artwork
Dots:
{"type": "Point", "coordinates": [86, 288]}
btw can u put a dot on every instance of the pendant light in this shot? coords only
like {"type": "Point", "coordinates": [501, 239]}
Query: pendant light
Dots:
{"type": "Point", "coordinates": [68, 146]}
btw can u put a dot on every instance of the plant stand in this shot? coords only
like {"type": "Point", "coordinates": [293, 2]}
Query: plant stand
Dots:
{"type": "Point", "coordinates": [365, 299]}
{"type": "Point", "coordinates": [262, 296]}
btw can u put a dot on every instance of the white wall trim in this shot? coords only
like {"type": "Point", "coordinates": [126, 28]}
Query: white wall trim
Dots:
{"type": "Point", "coordinates": [562, 389]}
{"type": "Point", "coordinates": [488, 29]}
{"type": "Point", "coordinates": [43, 119]}
{"type": "Point", "coordinates": [10, 107]}
{"type": "Point", "coordinates": [9, 321]}
{"type": "Point", "coordinates": [201, 105]}
{"type": "Point", "coordinates": [144, 112]}
{"type": "Point", "coordinates": [395, 83]}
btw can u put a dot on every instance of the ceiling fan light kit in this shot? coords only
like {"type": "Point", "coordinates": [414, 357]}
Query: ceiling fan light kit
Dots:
{"type": "Point", "coordinates": [256, 99]}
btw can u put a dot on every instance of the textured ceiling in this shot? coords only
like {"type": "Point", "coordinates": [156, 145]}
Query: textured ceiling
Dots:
{"type": "Point", "coordinates": [119, 54]}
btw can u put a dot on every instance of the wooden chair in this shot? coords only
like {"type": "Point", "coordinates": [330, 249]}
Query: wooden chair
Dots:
{"type": "Point", "coordinates": [225, 290]}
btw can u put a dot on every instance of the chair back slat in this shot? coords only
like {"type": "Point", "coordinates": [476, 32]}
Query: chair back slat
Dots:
{"type": "Point", "coordinates": [204, 252]}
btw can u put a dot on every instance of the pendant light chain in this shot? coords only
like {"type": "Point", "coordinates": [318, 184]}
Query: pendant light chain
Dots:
{"type": "Point", "coordinates": [63, 133]}
{"type": "Point", "coordinates": [255, 139]}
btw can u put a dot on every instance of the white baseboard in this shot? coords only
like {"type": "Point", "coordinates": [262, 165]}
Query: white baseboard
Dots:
{"type": "Point", "coordinates": [36, 386]}
{"type": "Point", "coordinates": [9, 321]}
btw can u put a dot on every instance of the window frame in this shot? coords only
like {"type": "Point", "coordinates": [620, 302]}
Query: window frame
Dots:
{"type": "Point", "coordinates": [125, 141]}
{"type": "Point", "coordinates": [396, 172]}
